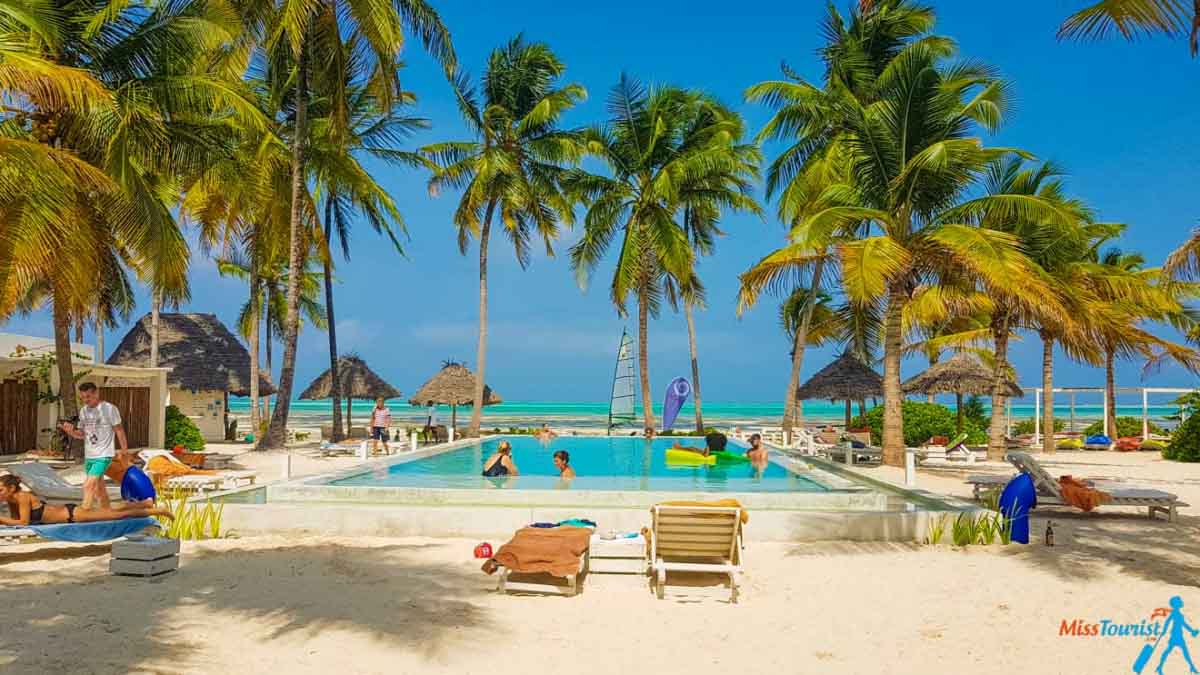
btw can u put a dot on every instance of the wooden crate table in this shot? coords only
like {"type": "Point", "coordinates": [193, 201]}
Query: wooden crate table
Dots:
{"type": "Point", "coordinates": [618, 556]}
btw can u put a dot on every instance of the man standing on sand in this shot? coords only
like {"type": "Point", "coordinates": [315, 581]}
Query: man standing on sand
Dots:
{"type": "Point", "coordinates": [381, 419]}
{"type": "Point", "coordinates": [431, 422]}
{"type": "Point", "coordinates": [99, 425]}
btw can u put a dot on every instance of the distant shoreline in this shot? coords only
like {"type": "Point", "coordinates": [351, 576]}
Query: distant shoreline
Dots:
{"type": "Point", "coordinates": [594, 415]}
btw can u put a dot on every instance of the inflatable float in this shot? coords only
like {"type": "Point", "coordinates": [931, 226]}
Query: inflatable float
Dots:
{"type": "Point", "coordinates": [676, 456]}
{"type": "Point", "coordinates": [724, 456]}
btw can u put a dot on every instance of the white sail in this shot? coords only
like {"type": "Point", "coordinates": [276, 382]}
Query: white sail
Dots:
{"type": "Point", "coordinates": [624, 389]}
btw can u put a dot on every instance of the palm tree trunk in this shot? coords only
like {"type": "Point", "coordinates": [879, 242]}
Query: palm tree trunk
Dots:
{"type": "Point", "coordinates": [79, 330]}
{"type": "Point", "coordinates": [893, 396]}
{"type": "Point", "coordinates": [691, 326]}
{"type": "Point", "coordinates": [254, 310]}
{"type": "Point", "coordinates": [269, 339]}
{"type": "Point", "coordinates": [99, 341]}
{"type": "Point", "coordinates": [66, 370]}
{"type": "Point", "coordinates": [997, 443]}
{"type": "Point", "coordinates": [644, 362]}
{"type": "Point", "coordinates": [793, 410]}
{"type": "Point", "coordinates": [1048, 444]}
{"type": "Point", "coordinates": [485, 232]}
{"type": "Point", "coordinates": [958, 412]}
{"type": "Point", "coordinates": [155, 304]}
{"type": "Point", "coordinates": [276, 435]}
{"type": "Point", "coordinates": [336, 384]}
{"type": "Point", "coordinates": [1110, 392]}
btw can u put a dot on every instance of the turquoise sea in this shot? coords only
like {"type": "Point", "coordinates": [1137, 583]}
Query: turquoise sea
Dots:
{"type": "Point", "coordinates": [594, 415]}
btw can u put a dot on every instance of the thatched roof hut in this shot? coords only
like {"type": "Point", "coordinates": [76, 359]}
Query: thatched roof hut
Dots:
{"type": "Point", "coordinates": [357, 381]}
{"type": "Point", "coordinates": [202, 353]}
{"type": "Point", "coordinates": [961, 374]}
{"type": "Point", "coordinates": [453, 385]}
{"type": "Point", "coordinates": [845, 379]}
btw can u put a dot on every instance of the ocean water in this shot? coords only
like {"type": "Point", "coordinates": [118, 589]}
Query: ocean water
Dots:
{"type": "Point", "coordinates": [594, 415]}
{"type": "Point", "coordinates": [601, 463]}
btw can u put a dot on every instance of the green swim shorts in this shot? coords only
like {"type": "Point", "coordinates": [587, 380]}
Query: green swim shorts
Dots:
{"type": "Point", "coordinates": [97, 466]}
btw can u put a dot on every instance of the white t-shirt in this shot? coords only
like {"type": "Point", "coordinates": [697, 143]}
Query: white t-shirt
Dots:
{"type": "Point", "coordinates": [433, 416]}
{"type": "Point", "coordinates": [97, 427]}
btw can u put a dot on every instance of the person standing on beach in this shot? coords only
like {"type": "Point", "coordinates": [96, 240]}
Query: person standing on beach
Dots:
{"type": "Point", "coordinates": [99, 425]}
{"type": "Point", "coordinates": [431, 422]}
{"type": "Point", "coordinates": [381, 419]}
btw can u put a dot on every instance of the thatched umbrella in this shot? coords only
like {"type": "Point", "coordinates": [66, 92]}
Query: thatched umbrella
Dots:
{"type": "Point", "coordinates": [846, 379]}
{"type": "Point", "coordinates": [357, 381]}
{"type": "Point", "coordinates": [961, 374]}
{"type": "Point", "coordinates": [453, 385]}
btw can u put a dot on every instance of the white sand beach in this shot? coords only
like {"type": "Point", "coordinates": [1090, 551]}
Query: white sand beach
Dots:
{"type": "Point", "coordinates": [364, 605]}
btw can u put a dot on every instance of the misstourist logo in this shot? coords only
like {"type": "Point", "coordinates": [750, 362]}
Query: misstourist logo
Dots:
{"type": "Point", "coordinates": [1164, 622]}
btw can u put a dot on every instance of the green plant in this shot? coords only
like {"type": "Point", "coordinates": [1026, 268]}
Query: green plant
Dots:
{"type": "Point", "coordinates": [1189, 404]}
{"type": "Point", "coordinates": [1006, 526]}
{"type": "Point", "coordinates": [988, 528]}
{"type": "Point", "coordinates": [1027, 426]}
{"type": "Point", "coordinates": [922, 421]}
{"type": "Point", "coordinates": [974, 413]}
{"type": "Point", "coordinates": [1185, 442]}
{"type": "Point", "coordinates": [1126, 426]}
{"type": "Point", "coordinates": [991, 499]}
{"type": "Point", "coordinates": [181, 430]}
{"type": "Point", "coordinates": [192, 520]}
{"type": "Point", "coordinates": [937, 530]}
{"type": "Point", "coordinates": [964, 531]}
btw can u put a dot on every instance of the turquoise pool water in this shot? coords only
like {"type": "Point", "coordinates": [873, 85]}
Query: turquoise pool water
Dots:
{"type": "Point", "coordinates": [601, 463]}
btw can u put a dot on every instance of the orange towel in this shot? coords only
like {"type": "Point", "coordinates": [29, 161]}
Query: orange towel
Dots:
{"type": "Point", "coordinates": [164, 468]}
{"type": "Point", "coordinates": [1081, 495]}
{"type": "Point", "coordinates": [554, 550]}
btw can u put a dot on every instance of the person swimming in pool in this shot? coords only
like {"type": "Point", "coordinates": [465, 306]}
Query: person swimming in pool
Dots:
{"type": "Point", "coordinates": [26, 509]}
{"type": "Point", "coordinates": [714, 442]}
{"type": "Point", "coordinates": [501, 462]}
{"type": "Point", "coordinates": [546, 433]}
{"type": "Point", "coordinates": [757, 451]}
{"type": "Point", "coordinates": [562, 462]}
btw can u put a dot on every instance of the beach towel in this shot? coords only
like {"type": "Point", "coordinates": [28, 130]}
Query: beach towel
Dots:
{"type": "Point", "coordinates": [100, 530]}
{"type": "Point", "coordinates": [1081, 495]}
{"type": "Point", "coordinates": [554, 551]}
{"type": "Point", "coordinates": [163, 468]}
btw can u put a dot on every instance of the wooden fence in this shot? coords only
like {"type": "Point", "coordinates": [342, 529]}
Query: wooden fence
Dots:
{"type": "Point", "coordinates": [18, 416]}
{"type": "Point", "coordinates": [134, 404]}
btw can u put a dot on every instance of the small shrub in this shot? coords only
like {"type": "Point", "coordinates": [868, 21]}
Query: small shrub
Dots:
{"type": "Point", "coordinates": [974, 412]}
{"type": "Point", "coordinates": [181, 430]}
{"type": "Point", "coordinates": [1027, 426]}
{"type": "Point", "coordinates": [1185, 443]}
{"type": "Point", "coordinates": [937, 530]}
{"type": "Point", "coordinates": [1126, 426]}
{"type": "Point", "coordinates": [192, 521]}
{"type": "Point", "coordinates": [964, 531]}
{"type": "Point", "coordinates": [922, 421]}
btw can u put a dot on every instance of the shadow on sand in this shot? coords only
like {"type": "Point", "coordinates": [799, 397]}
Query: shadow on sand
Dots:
{"type": "Point", "coordinates": [413, 606]}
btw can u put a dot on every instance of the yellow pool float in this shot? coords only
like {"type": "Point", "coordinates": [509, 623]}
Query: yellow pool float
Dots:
{"type": "Point", "coordinates": [688, 457]}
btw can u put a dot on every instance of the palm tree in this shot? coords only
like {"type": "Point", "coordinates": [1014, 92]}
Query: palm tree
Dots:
{"type": "Point", "coordinates": [912, 157]}
{"type": "Point", "coordinates": [153, 115]}
{"type": "Point", "coordinates": [341, 137]}
{"type": "Point", "coordinates": [661, 161]}
{"type": "Point", "coordinates": [856, 52]}
{"type": "Point", "coordinates": [513, 166]}
{"type": "Point", "coordinates": [1135, 18]}
{"type": "Point", "coordinates": [296, 31]}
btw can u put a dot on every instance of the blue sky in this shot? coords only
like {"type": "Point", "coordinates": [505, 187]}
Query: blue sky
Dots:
{"type": "Point", "coordinates": [1120, 118]}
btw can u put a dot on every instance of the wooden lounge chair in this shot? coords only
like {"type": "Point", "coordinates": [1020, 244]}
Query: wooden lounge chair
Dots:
{"type": "Point", "coordinates": [1049, 493]}
{"type": "Point", "coordinates": [541, 582]}
{"type": "Point", "coordinates": [696, 539]}
{"type": "Point", "coordinates": [48, 485]}
{"type": "Point", "coordinates": [223, 479]}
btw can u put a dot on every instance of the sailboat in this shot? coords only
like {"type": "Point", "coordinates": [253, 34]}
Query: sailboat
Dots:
{"type": "Point", "coordinates": [624, 389]}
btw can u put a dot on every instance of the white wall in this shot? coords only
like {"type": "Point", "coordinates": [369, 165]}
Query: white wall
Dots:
{"type": "Point", "coordinates": [40, 345]}
{"type": "Point", "coordinates": [206, 408]}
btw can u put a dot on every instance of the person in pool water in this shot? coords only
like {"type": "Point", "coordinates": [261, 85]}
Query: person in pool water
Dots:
{"type": "Point", "coordinates": [26, 509]}
{"type": "Point", "coordinates": [501, 462]}
{"type": "Point", "coordinates": [562, 462]}
{"type": "Point", "coordinates": [757, 452]}
{"type": "Point", "coordinates": [714, 442]}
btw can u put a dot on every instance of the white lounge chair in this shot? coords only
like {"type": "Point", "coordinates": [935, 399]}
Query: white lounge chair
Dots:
{"type": "Point", "coordinates": [696, 539]}
{"type": "Point", "coordinates": [223, 479]}
{"type": "Point", "coordinates": [48, 485]}
{"type": "Point", "coordinates": [1050, 494]}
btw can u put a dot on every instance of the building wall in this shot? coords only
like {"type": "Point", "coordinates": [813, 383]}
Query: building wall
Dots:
{"type": "Point", "coordinates": [205, 408]}
{"type": "Point", "coordinates": [154, 379]}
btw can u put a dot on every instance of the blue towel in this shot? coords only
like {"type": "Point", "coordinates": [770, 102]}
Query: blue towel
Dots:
{"type": "Point", "coordinates": [101, 530]}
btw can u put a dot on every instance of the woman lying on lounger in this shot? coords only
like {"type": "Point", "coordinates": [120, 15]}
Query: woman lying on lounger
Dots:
{"type": "Point", "coordinates": [27, 509]}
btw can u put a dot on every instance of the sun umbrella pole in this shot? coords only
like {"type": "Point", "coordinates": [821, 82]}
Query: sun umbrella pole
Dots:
{"type": "Point", "coordinates": [453, 416]}
{"type": "Point", "coordinates": [349, 425]}
{"type": "Point", "coordinates": [848, 411]}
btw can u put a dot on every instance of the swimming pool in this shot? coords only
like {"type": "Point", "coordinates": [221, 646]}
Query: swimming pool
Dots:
{"type": "Point", "coordinates": [613, 463]}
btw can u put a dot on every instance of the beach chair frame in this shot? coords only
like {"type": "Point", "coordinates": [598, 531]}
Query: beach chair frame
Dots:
{"type": "Point", "coordinates": [45, 482]}
{"type": "Point", "coordinates": [699, 539]}
{"type": "Point", "coordinates": [1155, 502]}
{"type": "Point", "coordinates": [224, 479]}
{"type": "Point", "coordinates": [539, 582]}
